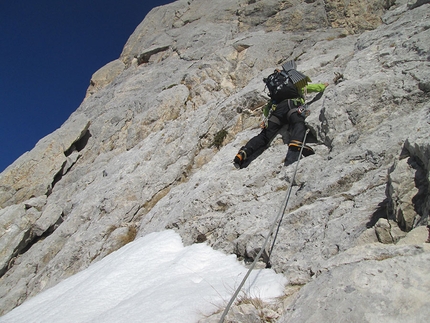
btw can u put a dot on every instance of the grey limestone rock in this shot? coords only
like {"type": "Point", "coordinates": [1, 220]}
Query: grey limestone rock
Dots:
{"type": "Point", "coordinates": [151, 147]}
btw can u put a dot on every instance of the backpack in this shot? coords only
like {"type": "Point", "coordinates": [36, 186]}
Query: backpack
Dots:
{"type": "Point", "coordinates": [281, 87]}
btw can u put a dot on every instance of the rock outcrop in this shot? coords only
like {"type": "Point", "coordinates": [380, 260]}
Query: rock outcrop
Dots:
{"type": "Point", "coordinates": [151, 146]}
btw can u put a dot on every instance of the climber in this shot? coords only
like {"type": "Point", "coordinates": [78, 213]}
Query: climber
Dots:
{"type": "Point", "coordinates": [288, 108]}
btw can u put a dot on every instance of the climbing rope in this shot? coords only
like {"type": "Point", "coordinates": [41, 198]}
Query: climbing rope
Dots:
{"type": "Point", "coordinates": [287, 199]}
{"type": "Point", "coordinates": [272, 227]}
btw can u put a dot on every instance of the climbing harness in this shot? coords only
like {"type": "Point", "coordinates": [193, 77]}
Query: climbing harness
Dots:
{"type": "Point", "coordinates": [301, 109]}
{"type": "Point", "coordinates": [268, 110]}
{"type": "Point", "coordinates": [263, 248]}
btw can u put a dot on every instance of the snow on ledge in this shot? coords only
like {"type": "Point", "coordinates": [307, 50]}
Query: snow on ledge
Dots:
{"type": "Point", "coordinates": [152, 279]}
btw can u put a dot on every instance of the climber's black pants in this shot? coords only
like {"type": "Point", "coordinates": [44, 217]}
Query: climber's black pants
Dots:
{"type": "Point", "coordinates": [262, 139]}
{"type": "Point", "coordinates": [297, 129]}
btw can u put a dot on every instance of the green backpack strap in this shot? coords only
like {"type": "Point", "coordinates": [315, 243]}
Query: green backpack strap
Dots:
{"type": "Point", "coordinates": [268, 109]}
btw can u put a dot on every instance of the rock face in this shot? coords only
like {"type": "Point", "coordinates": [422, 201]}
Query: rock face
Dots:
{"type": "Point", "coordinates": [151, 147]}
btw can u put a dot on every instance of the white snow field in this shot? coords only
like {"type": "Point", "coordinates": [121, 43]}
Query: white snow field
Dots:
{"type": "Point", "coordinates": [153, 279]}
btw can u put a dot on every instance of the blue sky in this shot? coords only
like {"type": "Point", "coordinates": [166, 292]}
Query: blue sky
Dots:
{"type": "Point", "coordinates": [49, 50]}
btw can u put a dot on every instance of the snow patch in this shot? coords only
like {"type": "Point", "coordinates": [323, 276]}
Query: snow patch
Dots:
{"type": "Point", "coordinates": [152, 279]}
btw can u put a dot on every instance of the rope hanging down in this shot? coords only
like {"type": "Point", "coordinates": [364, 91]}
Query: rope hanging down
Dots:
{"type": "Point", "coordinates": [280, 215]}
{"type": "Point", "coordinates": [287, 199]}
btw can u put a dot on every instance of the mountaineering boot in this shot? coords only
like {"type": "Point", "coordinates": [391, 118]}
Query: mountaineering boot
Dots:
{"type": "Point", "coordinates": [292, 156]}
{"type": "Point", "coordinates": [294, 152]}
{"type": "Point", "coordinates": [239, 158]}
{"type": "Point", "coordinates": [297, 145]}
